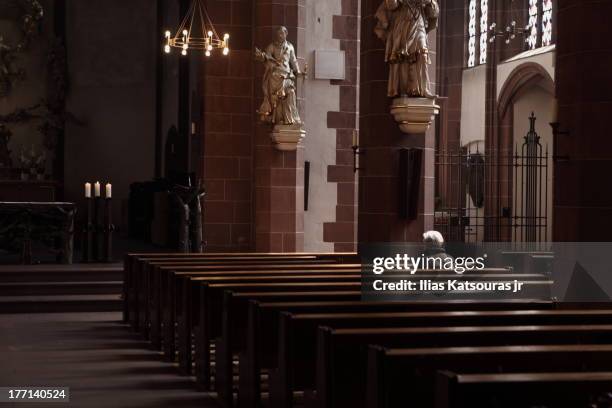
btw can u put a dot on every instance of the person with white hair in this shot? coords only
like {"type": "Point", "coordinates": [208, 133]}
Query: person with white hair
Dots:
{"type": "Point", "coordinates": [434, 245]}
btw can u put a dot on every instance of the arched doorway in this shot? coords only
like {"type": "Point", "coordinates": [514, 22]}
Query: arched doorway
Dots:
{"type": "Point", "coordinates": [520, 199]}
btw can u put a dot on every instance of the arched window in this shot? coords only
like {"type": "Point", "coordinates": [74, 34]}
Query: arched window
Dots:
{"type": "Point", "coordinates": [538, 32]}
{"type": "Point", "coordinates": [478, 21]}
{"type": "Point", "coordinates": [540, 20]}
{"type": "Point", "coordinates": [547, 22]}
{"type": "Point", "coordinates": [484, 29]}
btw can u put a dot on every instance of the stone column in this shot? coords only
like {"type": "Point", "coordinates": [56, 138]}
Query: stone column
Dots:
{"type": "Point", "coordinates": [279, 175]}
{"type": "Point", "coordinates": [582, 198]}
{"type": "Point", "coordinates": [381, 139]}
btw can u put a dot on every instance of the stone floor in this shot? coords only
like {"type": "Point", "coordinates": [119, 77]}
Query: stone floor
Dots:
{"type": "Point", "coordinates": [96, 356]}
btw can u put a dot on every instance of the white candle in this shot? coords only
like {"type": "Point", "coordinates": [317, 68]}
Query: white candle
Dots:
{"type": "Point", "coordinates": [87, 190]}
{"type": "Point", "coordinates": [109, 190]}
{"type": "Point", "coordinates": [97, 189]}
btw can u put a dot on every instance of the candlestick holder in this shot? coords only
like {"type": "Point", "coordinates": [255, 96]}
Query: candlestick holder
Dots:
{"type": "Point", "coordinates": [109, 227]}
{"type": "Point", "coordinates": [98, 240]}
{"type": "Point", "coordinates": [88, 232]}
{"type": "Point", "coordinates": [357, 151]}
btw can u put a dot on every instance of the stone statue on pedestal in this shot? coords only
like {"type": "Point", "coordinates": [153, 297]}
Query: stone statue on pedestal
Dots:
{"type": "Point", "coordinates": [403, 25]}
{"type": "Point", "coordinates": [279, 84]}
{"type": "Point", "coordinates": [279, 81]}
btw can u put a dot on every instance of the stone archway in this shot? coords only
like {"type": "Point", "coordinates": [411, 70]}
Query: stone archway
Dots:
{"type": "Point", "coordinates": [500, 192]}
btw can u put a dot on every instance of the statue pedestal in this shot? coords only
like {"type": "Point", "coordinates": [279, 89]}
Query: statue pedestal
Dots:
{"type": "Point", "coordinates": [287, 137]}
{"type": "Point", "coordinates": [414, 115]}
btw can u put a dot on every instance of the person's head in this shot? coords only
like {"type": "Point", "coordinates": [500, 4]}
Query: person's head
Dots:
{"type": "Point", "coordinates": [433, 239]}
{"type": "Point", "coordinates": [281, 34]}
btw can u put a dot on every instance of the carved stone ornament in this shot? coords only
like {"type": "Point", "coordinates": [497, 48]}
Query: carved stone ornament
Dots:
{"type": "Point", "coordinates": [414, 115]}
{"type": "Point", "coordinates": [279, 86]}
{"type": "Point", "coordinates": [404, 26]}
{"type": "Point", "coordinates": [287, 137]}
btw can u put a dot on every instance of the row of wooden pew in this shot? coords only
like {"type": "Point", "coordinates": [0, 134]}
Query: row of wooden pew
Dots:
{"type": "Point", "coordinates": [282, 330]}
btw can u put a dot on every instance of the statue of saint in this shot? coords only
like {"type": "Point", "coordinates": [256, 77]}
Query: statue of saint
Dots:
{"type": "Point", "coordinates": [403, 25]}
{"type": "Point", "coordinates": [279, 85]}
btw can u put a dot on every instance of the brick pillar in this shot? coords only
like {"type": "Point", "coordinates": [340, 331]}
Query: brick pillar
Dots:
{"type": "Point", "coordinates": [582, 198]}
{"type": "Point", "coordinates": [342, 231]}
{"type": "Point", "coordinates": [279, 176]}
{"type": "Point", "coordinates": [381, 140]}
{"type": "Point", "coordinates": [227, 131]}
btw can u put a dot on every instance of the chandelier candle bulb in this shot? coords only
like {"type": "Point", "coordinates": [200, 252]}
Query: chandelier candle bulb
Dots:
{"type": "Point", "coordinates": [87, 190]}
{"type": "Point", "coordinates": [109, 190]}
{"type": "Point", "coordinates": [196, 31]}
{"type": "Point", "coordinates": [97, 189]}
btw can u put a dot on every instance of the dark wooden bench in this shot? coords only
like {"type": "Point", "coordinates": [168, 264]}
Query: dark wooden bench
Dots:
{"type": "Point", "coordinates": [176, 300]}
{"type": "Point", "coordinates": [134, 263]}
{"type": "Point", "coordinates": [344, 348]}
{"type": "Point", "coordinates": [231, 340]}
{"type": "Point", "coordinates": [263, 343]}
{"type": "Point", "coordinates": [171, 284]}
{"type": "Point", "coordinates": [139, 282]}
{"type": "Point", "coordinates": [174, 304]}
{"type": "Point", "coordinates": [149, 279]}
{"type": "Point", "coordinates": [233, 336]}
{"type": "Point", "coordinates": [211, 302]}
{"type": "Point", "coordinates": [168, 285]}
{"type": "Point", "coordinates": [521, 390]}
{"type": "Point", "coordinates": [398, 377]}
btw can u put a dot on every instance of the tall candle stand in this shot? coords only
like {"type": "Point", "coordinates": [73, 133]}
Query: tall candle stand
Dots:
{"type": "Point", "coordinates": [88, 232]}
{"type": "Point", "coordinates": [98, 241]}
{"type": "Point", "coordinates": [108, 230]}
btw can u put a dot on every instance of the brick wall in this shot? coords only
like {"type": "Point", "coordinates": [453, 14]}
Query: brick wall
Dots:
{"type": "Point", "coordinates": [582, 201]}
{"type": "Point", "coordinates": [342, 232]}
{"type": "Point", "coordinates": [227, 134]}
{"type": "Point", "coordinates": [381, 140]}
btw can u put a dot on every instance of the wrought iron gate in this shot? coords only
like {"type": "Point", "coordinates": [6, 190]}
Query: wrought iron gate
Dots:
{"type": "Point", "coordinates": [495, 196]}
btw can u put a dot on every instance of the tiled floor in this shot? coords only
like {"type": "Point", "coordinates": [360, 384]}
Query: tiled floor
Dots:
{"type": "Point", "coordinates": [103, 363]}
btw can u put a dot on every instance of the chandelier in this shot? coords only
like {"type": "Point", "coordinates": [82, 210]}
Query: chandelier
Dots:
{"type": "Point", "coordinates": [196, 32]}
{"type": "Point", "coordinates": [509, 33]}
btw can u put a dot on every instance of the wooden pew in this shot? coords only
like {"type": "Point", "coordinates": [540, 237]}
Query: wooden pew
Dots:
{"type": "Point", "coordinates": [151, 277]}
{"type": "Point", "coordinates": [212, 290]}
{"type": "Point", "coordinates": [263, 343]}
{"type": "Point", "coordinates": [149, 280]}
{"type": "Point", "coordinates": [398, 377]}
{"type": "Point", "coordinates": [133, 263]}
{"type": "Point", "coordinates": [520, 390]}
{"type": "Point", "coordinates": [232, 340]}
{"type": "Point", "coordinates": [187, 293]}
{"type": "Point", "coordinates": [341, 350]}
{"type": "Point", "coordinates": [234, 302]}
{"type": "Point", "coordinates": [188, 286]}
{"type": "Point", "coordinates": [171, 287]}
{"type": "Point", "coordinates": [139, 281]}
{"type": "Point", "coordinates": [297, 354]}
{"type": "Point", "coordinates": [173, 301]}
